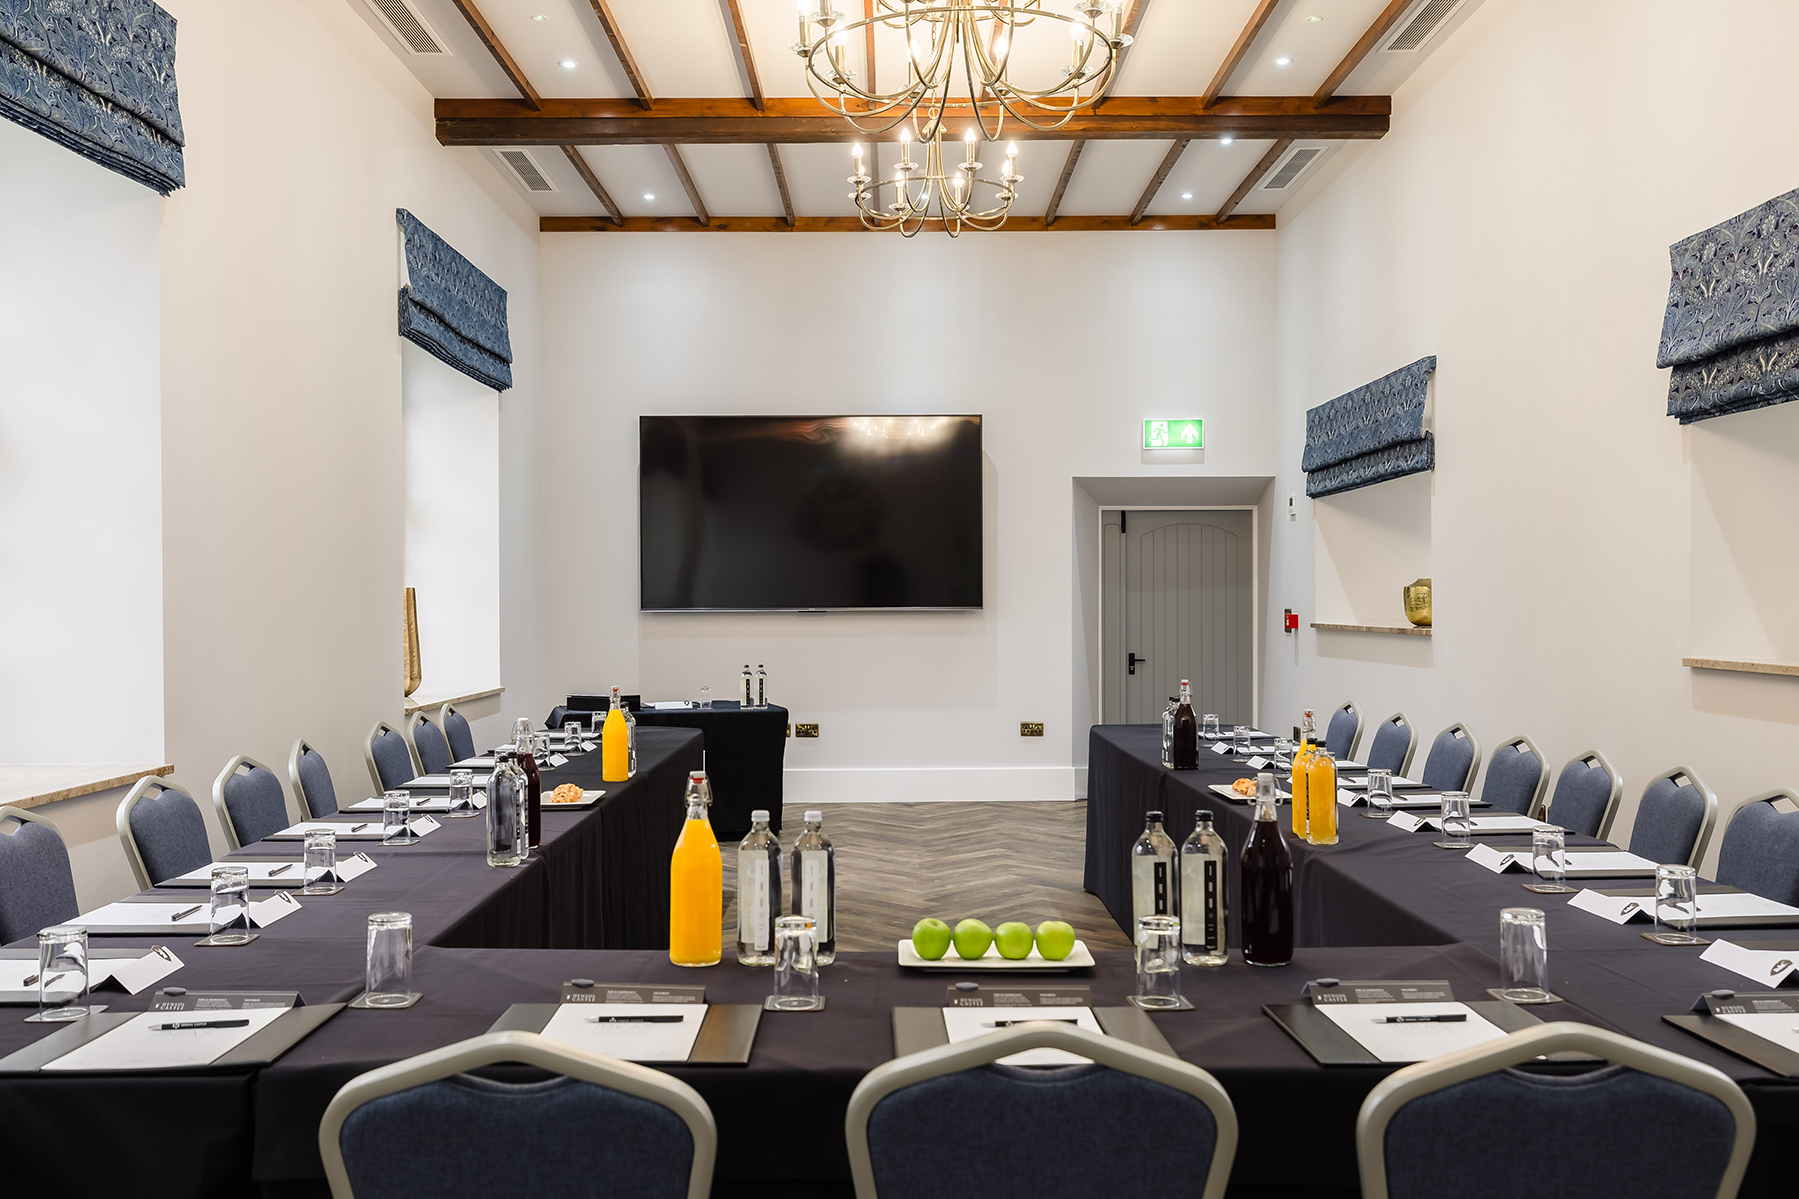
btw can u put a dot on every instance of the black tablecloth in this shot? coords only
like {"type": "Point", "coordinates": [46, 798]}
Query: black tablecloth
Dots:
{"type": "Point", "coordinates": [746, 755]}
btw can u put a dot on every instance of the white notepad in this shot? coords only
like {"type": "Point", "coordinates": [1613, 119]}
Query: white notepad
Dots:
{"type": "Point", "coordinates": [1411, 1042]}
{"type": "Point", "coordinates": [632, 1042]}
{"type": "Point", "coordinates": [1489, 825]}
{"type": "Point", "coordinates": [967, 1023]}
{"type": "Point", "coordinates": [134, 974]}
{"type": "Point", "coordinates": [1776, 1027]}
{"type": "Point", "coordinates": [147, 917]}
{"type": "Point", "coordinates": [138, 1045]}
{"type": "Point", "coordinates": [418, 803]}
{"type": "Point", "coordinates": [293, 874]}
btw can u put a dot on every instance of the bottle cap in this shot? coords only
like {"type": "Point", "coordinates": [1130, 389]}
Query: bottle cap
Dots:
{"type": "Point", "coordinates": [696, 774]}
{"type": "Point", "coordinates": [1152, 815]}
{"type": "Point", "coordinates": [759, 816]}
{"type": "Point", "coordinates": [815, 816]}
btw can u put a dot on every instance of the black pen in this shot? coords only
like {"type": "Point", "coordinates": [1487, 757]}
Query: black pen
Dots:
{"type": "Point", "coordinates": [283, 870]}
{"type": "Point", "coordinates": [357, 828]}
{"type": "Point", "coordinates": [1044, 1020]}
{"type": "Point", "coordinates": [201, 1024]}
{"type": "Point", "coordinates": [1451, 1018]}
{"type": "Point", "coordinates": [635, 1019]}
{"type": "Point", "coordinates": [184, 913]}
{"type": "Point", "coordinates": [47, 981]}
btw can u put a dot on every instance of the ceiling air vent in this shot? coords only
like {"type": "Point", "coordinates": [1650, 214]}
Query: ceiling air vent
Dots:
{"type": "Point", "coordinates": [1292, 169]}
{"type": "Point", "coordinates": [1427, 20]}
{"type": "Point", "coordinates": [526, 170]}
{"type": "Point", "coordinates": [408, 24]}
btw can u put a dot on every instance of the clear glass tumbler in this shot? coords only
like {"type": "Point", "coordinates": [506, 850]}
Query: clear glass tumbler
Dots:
{"type": "Point", "coordinates": [796, 966]}
{"type": "Point", "coordinates": [1677, 905]}
{"type": "Point", "coordinates": [1457, 824]}
{"type": "Point", "coordinates": [1158, 963]}
{"type": "Point", "coordinates": [396, 809]}
{"type": "Point", "coordinates": [1283, 754]}
{"type": "Point", "coordinates": [1380, 795]}
{"type": "Point", "coordinates": [706, 699]}
{"type": "Point", "coordinates": [462, 795]}
{"type": "Point", "coordinates": [571, 736]}
{"type": "Point", "coordinates": [388, 980]}
{"type": "Point", "coordinates": [318, 864]}
{"type": "Point", "coordinates": [1549, 860]}
{"type": "Point", "coordinates": [1208, 726]}
{"type": "Point", "coordinates": [1523, 955]}
{"type": "Point", "coordinates": [1240, 741]}
{"type": "Point", "coordinates": [231, 905]}
{"type": "Point", "coordinates": [61, 975]}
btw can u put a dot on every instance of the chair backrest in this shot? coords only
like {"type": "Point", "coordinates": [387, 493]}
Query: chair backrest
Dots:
{"type": "Point", "coordinates": [429, 745]}
{"type": "Point", "coordinates": [1587, 793]}
{"type": "Point", "coordinates": [1517, 775]}
{"type": "Point", "coordinates": [1089, 1120]}
{"type": "Point", "coordinates": [1344, 733]}
{"type": "Point", "coordinates": [1675, 818]}
{"type": "Point", "coordinates": [37, 884]}
{"type": "Point", "coordinates": [311, 779]}
{"type": "Point", "coordinates": [1453, 761]}
{"type": "Point", "coordinates": [457, 733]}
{"type": "Point", "coordinates": [635, 1131]}
{"type": "Point", "coordinates": [389, 756]}
{"type": "Point", "coordinates": [1760, 850]}
{"type": "Point", "coordinates": [1653, 1123]}
{"type": "Point", "coordinates": [162, 830]}
{"type": "Point", "coordinates": [249, 802]}
{"type": "Point", "coordinates": [1394, 742]}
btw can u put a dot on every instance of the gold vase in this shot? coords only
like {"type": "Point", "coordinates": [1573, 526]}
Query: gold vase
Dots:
{"type": "Point", "coordinates": [410, 651]}
{"type": "Point", "coordinates": [1417, 602]}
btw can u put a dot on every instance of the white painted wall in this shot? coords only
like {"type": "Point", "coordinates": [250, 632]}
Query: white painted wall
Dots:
{"type": "Point", "coordinates": [1516, 223]}
{"type": "Point", "coordinates": [1064, 342]}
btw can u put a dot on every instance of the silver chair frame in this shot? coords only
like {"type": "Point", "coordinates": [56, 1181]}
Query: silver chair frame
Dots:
{"type": "Point", "coordinates": [1473, 763]}
{"type": "Point", "coordinates": [914, 1068]}
{"type": "Point", "coordinates": [218, 797]}
{"type": "Point", "coordinates": [1355, 738]}
{"type": "Point", "coordinates": [532, 1050]}
{"type": "Point", "coordinates": [144, 787]}
{"type": "Point", "coordinates": [368, 753]}
{"type": "Point", "coordinates": [1707, 824]}
{"type": "Point", "coordinates": [1611, 805]}
{"type": "Point", "coordinates": [443, 726]}
{"type": "Point", "coordinates": [1403, 1086]}
{"type": "Point", "coordinates": [1405, 767]}
{"type": "Point", "coordinates": [423, 716]}
{"type": "Point", "coordinates": [301, 748]}
{"type": "Point", "coordinates": [27, 816]}
{"type": "Point", "coordinates": [1535, 809]}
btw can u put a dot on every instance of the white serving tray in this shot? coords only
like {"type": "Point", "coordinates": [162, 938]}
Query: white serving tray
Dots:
{"type": "Point", "coordinates": [1078, 958]}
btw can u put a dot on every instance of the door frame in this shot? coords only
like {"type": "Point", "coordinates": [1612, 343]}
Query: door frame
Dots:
{"type": "Point", "coordinates": [1255, 595]}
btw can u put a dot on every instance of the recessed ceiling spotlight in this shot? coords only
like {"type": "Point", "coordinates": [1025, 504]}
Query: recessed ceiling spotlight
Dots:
{"type": "Point", "coordinates": [1226, 140]}
{"type": "Point", "coordinates": [542, 17]}
{"type": "Point", "coordinates": [1309, 20]}
{"type": "Point", "coordinates": [649, 195]}
{"type": "Point", "coordinates": [567, 64]}
{"type": "Point", "coordinates": [1186, 195]}
{"type": "Point", "coordinates": [1283, 61]}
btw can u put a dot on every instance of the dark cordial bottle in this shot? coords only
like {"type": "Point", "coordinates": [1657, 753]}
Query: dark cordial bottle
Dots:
{"type": "Point", "coordinates": [527, 761]}
{"type": "Point", "coordinates": [1186, 732]}
{"type": "Point", "coordinates": [1266, 878]}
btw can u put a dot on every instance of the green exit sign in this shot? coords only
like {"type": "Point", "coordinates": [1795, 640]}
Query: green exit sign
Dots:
{"type": "Point", "coordinates": [1174, 434]}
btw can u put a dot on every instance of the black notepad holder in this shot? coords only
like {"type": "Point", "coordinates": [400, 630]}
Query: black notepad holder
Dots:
{"type": "Point", "coordinates": [1705, 1024]}
{"type": "Point", "coordinates": [260, 1049]}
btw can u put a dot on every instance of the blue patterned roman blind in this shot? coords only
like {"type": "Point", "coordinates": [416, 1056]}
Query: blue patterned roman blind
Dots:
{"type": "Point", "coordinates": [451, 310]}
{"type": "Point", "coordinates": [98, 76]}
{"type": "Point", "coordinates": [1371, 434]}
{"type": "Point", "coordinates": [1732, 328]}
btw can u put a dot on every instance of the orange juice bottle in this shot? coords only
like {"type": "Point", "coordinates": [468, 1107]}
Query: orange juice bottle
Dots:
{"type": "Point", "coordinates": [1302, 754]}
{"type": "Point", "coordinates": [615, 744]}
{"type": "Point", "coordinates": [696, 885]}
{"type": "Point", "coordinates": [1321, 798]}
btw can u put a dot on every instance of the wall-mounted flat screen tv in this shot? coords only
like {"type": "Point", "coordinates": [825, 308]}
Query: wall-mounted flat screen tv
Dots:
{"type": "Point", "coordinates": [787, 513]}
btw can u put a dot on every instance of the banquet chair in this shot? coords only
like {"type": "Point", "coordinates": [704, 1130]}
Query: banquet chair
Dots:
{"type": "Point", "coordinates": [424, 1127]}
{"type": "Point", "coordinates": [1586, 795]}
{"type": "Point", "coordinates": [1651, 1123]}
{"type": "Point", "coordinates": [311, 780]}
{"type": "Point", "coordinates": [390, 757]}
{"type": "Point", "coordinates": [162, 830]}
{"type": "Point", "coordinates": [37, 884]}
{"type": "Point", "coordinates": [429, 745]}
{"type": "Point", "coordinates": [1760, 850]}
{"type": "Point", "coordinates": [249, 802]}
{"type": "Point", "coordinates": [1344, 733]}
{"type": "Point", "coordinates": [1394, 742]}
{"type": "Point", "coordinates": [1675, 818]}
{"type": "Point", "coordinates": [1517, 776]}
{"type": "Point", "coordinates": [457, 732]}
{"type": "Point", "coordinates": [1453, 761]}
{"type": "Point", "coordinates": [1088, 1120]}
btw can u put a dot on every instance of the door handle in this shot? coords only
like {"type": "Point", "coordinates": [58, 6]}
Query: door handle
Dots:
{"type": "Point", "coordinates": [1131, 661]}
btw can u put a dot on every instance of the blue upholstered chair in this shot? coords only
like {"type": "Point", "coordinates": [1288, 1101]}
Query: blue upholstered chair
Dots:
{"type": "Point", "coordinates": [1394, 742]}
{"type": "Point", "coordinates": [1344, 733]}
{"type": "Point", "coordinates": [1090, 1121]}
{"type": "Point", "coordinates": [1517, 776]}
{"type": "Point", "coordinates": [389, 756]}
{"type": "Point", "coordinates": [311, 780]}
{"type": "Point", "coordinates": [37, 885]}
{"type": "Point", "coordinates": [1760, 851]}
{"type": "Point", "coordinates": [429, 746]}
{"type": "Point", "coordinates": [457, 733]}
{"type": "Point", "coordinates": [1586, 796]}
{"type": "Point", "coordinates": [425, 1129]}
{"type": "Point", "coordinates": [249, 802]}
{"type": "Point", "coordinates": [1453, 761]}
{"type": "Point", "coordinates": [162, 830]}
{"type": "Point", "coordinates": [1675, 818]}
{"type": "Point", "coordinates": [1652, 1123]}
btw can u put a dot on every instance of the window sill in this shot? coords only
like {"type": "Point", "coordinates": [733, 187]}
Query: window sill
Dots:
{"type": "Point", "coordinates": [1745, 665]}
{"type": "Point", "coordinates": [1397, 630]}
{"type": "Point", "coordinates": [419, 701]}
{"type": "Point", "coordinates": [35, 785]}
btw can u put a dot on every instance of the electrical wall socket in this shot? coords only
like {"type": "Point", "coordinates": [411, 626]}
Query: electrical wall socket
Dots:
{"type": "Point", "coordinates": [1030, 728]}
{"type": "Point", "coordinates": [805, 730]}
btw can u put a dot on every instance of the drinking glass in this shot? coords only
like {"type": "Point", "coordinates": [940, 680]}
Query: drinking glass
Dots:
{"type": "Point", "coordinates": [388, 980]}
{"type": "Point", "coordinates": [1677, 905]}
{"type": "Point", "coordinates": [1208, 727]}
{"type": "Point", "coordinates": [319, 864]}
{"type": "Point", "coordinates": [231, 905]}
{"type": "Point", "coordinates": [1283, 753]}
{"type": "Point", "coordinates": [1380, 795]}
{"type": "Point", "coordinates": [571, 736]}
{"type": "Point", "coordinates": [706, 698]}
{"type": "Point", "coordinates": [1158, 963]}
{"type": "Point", "coordinates": [396, 806]}
{"type": "Point", "coordinates": [61, 975]}
{"type": "Point", "coordinates": [796, 966]}
{"type": "Point", "coordinates": [1457, 824]}
{"type": "Point", "coordinates": [1549, 859]}
{"type": "Point", "coordinates": [540, 747]}
{"type": "Point", "coordinates": [1524, 955]}
{"type": "Point", "coordinates": [1240, 740]}
{"type": "Point", "coordinates": [462, 794]}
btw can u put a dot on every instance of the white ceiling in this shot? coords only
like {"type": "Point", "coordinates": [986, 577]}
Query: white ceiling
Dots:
{"type": "Point", "coordinates": [687, 48]}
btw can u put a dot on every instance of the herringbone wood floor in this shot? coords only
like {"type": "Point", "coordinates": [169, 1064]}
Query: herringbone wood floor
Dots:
{"type": "Point", "coordinates": [900, 862]}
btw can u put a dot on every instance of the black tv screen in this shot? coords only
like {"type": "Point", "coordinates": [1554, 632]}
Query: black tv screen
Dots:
{"type": "Point", "coordinates": [798, 512]}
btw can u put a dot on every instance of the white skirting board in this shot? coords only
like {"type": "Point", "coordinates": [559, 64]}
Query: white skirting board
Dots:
{"type": "Point", "coordinates": [933, 784]}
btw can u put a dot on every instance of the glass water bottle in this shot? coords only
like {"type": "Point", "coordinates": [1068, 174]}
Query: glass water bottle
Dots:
{"type": "Point", "coordinates": [746, 695]}
{"type": "Point", "coordinates": [1186, 731]}
{"type": "Point", "coordinates": [761, 686]}
{"type": "Point", "coordinates": [1155, 887]}
{"type": "Point", "coordinates": [507, 794]}
{"type": "Point", "coordinates": [815, 885]}
{"type": "Point", "coordinates": [631, 743]}
{"type": "Point", "coordinates": [1204, 928]}
{"type": "Point", "coordinates": [1265, 885]}
{"type": "Point", "coordinates": [1168, 733]}
{"type": "Point", "coordinates": [758, 893]}
{"type": "Point", "coordinates": [696, 885]}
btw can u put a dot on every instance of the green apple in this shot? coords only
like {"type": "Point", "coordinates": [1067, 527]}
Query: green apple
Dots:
{"type": "Point", "coordinates": [930, 938]}
{"type": "Point", "coordinates": [1055, 939]}
{"type": "Point", "coordinates": [972, 940]}
{"type": "Point", "coordinates": [1014, 939]}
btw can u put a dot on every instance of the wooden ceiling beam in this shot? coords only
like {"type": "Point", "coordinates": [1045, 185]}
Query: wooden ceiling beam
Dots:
{"type": "Point", "coordinates": [749, 59]}
{"type": "Point", "coordinates": [1055, 201]}
{"type": "Point", "coordinates": [1363, 47]}
{"type": "Point", "coordinates": [1234, 59]}
{"type": "Point", "coordinates": [687, 184]}
{"type": "Point", "coordinates": [603, 11]}
{"type": "Point", "coordinates": [491, 40]}
{"type": "Point", "coordinates": [1161, 176]}
{"type": "Point", "coordinates": [592, 180]}
{"type": "Point", "coordinates": [774, 160]}
{"type": "Point", "coordinates": [1256, 174]}
{"type": "Point", "coordinates": [850, 224]}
